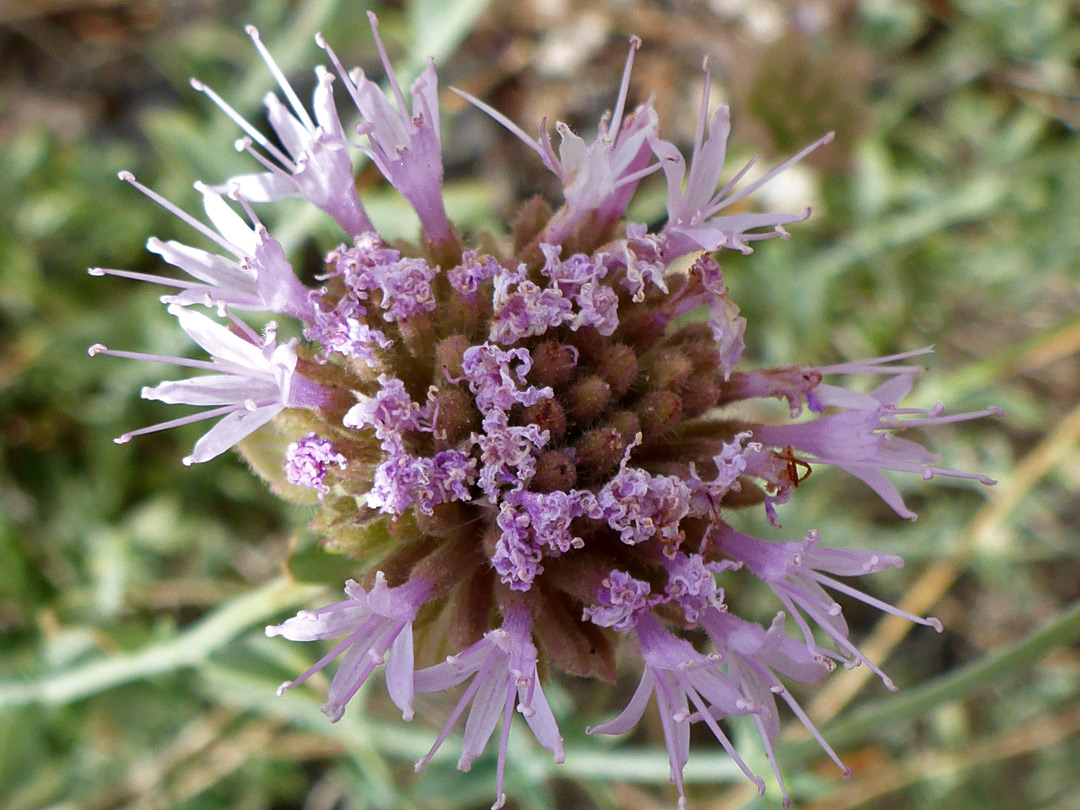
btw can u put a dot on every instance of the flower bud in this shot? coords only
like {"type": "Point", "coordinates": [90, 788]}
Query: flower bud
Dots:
{"type": "Point", "coordinates": [659, 412]}
{"type": "Point", "coordinates": [619, 368]}
{"type": "Point", "coordinates": [599, 451]}
{"type": "Point", "coordinates": [667, 369]}
{"type": "Point", "coordinates": [448, 354]}
{"type": "Point", "coordinates": [587, 398]}
{"type": "Point", "coordinates": [555, 470]}
{"type": "Point", "coordinates": [553, 363]}
{"type": "Point", "coordinates": [548, 415]}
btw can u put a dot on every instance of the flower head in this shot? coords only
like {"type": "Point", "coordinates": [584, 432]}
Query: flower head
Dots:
{"type": "Point", "coordinates": [530, 451]}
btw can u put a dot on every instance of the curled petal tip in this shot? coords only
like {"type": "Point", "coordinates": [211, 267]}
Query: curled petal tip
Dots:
{"type": "Point", "coordinates": [333, 711]}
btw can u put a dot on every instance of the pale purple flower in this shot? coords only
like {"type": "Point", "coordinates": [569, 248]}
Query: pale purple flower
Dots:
{"type": "Point", "coordinates": [253, 380]}
{"type": "Point", "coordinates": [619, 602]}
{"type": "Point", "coordinates": [753, 657]}
{"type": "Point", "coordinates": [694, 205]}
{"type": "Point", "coordinates": [507, 453]}
{"type": "Point", "coordinates": [502, 666]}
{"type": "Point", "coordinates": [390, 412]}
{"type": "Point", "coordinates": [597, 177]}
{"type": "Point", "coordinates": [578, 281]}
{"type": "Point", "coordinates": [858, 440]}
{"type": "Point", "coordinates": [315, 163]}
{"type": "Point", "coordinates": [802, 385]}
{"type": "Point", "coordinates": [680, 677]}
{"type": "Point", "coordinates": [730, 463]}
{"type": "Point", "coordinates": [377, 625]}
{"type": "Point", "coordinates": [796, 572]}
{"type": "Point", "coordinates": [497, 377]}
{"type": "Point", "coordinates": [406, 148]}
{"type": "Point", "coordinates": [641, 506]}
{"type": "Point", "coordinates": [533, 524]}
{"type": "Point", "coordinates": [691, 583]}
{"type": "Point", "coordinates": [523, 309]}
{"type": "Point", "coordinates": [342, 330]}
{"type": "Point", "coordinates": [258, 277]}
{"type": "Point", "coordinates": [474, 270]}
{"type": "Point", "coordinates": [308, 460]}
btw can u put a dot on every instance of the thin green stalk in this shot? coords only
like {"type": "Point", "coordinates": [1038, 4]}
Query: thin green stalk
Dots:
{"type": "Point", "coordinates": [186, 649]}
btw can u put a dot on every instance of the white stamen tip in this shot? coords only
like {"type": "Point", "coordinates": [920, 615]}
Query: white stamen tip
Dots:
{"type": "Point", "coordinates": [320, 40]}
{"type": "Point", "coordinates": [126, 176]}
{"type": "Point", "coordinates": [241, 144]}
{"type": "Point", "coordinates": [281, 690]}
{"type": "Point", "coordinates": [373, 19]}
{"type": "Point", "coordinates": [251, 31]}
{"type": "Point", "coordinates": [273, 630]}
{"type": "Point", "coordinates": [96, 348]}
{"type": "Point", "coordinates": [187, 461]}
{"type": "Point", "coordinates": [635, 42]}
{"type": "Point", "coordinates": [935, 623]}
{"type": "Point", "coordinates": [197, 84]}
{"type": "Point", "coordinates": [95, 271]}
{"type": "Point", "coordinates": [122, 439]}
{"type": "Point", "coordinates": [996, 410]}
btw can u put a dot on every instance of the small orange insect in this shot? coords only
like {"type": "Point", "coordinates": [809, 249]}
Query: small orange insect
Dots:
{"type": "Point", "coordinates": [793, 465]}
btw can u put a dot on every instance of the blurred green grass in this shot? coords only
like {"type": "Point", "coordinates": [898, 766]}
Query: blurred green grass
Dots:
{"type": "Point", "coordinates": [134, 673]}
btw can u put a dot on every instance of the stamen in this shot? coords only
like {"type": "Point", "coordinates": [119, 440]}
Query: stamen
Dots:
{"type": "Point", "coordinates": [624, 89]}
{"type": "Point", "coordinates": [128, 177]}
{"type": "Point", "coordinates": [283, 83]}
{"type": "Point", "coordinates": [769, 175]}
{"type": "Point", "coordinates": [502, 119]}
{"type": "Point", "coordinates": [403, 108]}
{"type": "Point", "coordinates": [242, 122]}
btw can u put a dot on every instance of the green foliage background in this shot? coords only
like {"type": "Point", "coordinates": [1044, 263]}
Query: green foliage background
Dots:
{"type": "Point", "coordinates": [133, 670]}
